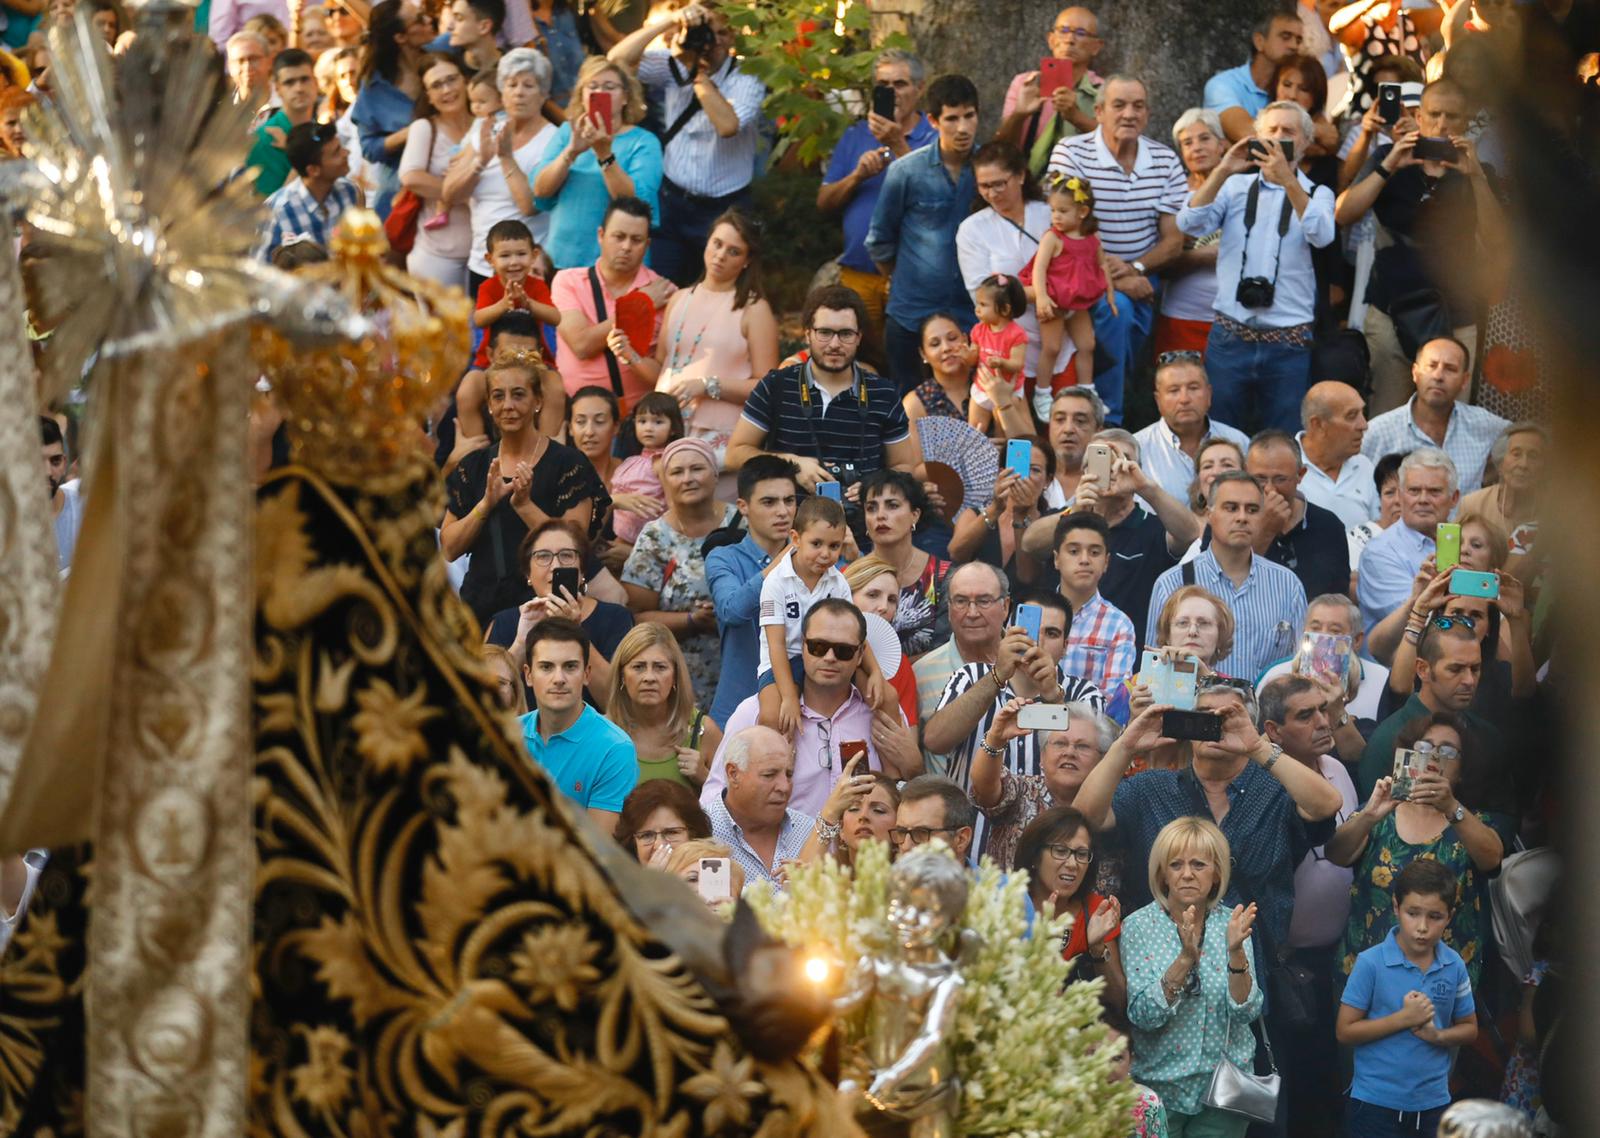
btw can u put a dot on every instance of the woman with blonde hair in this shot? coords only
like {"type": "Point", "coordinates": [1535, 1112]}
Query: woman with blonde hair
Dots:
{"type": "Point", "coordinates": [1193, 622]}
{"type": "Point", "coordinates": [651, 698]}
{"type": "Point", "coordinates": [513, 696]}
{"type": "Point", "coordinates": [875, 589]}
{"type": "Point", "coordinates": [594, 160]}
{"type": "Point", "coordinates": [1192, 991]}
{"type": "Point", "coordinates": [684, 862]}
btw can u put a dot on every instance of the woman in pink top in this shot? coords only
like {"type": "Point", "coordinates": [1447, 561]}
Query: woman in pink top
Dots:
{"type": "Point", "coordinates": [718, 337]}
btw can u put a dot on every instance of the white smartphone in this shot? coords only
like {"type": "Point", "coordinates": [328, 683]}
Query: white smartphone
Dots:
{"type": "Point", "coordinates": [1043, 717]}
{"type": "Point", "coordinates": [1097, 463]}
{"type": "Point", "coordinates": [716, 880]}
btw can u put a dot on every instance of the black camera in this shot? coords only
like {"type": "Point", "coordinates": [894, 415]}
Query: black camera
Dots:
{"type": "Point", "coordinates": [1256, 292]}
{"type": "Point", "coordinates": [699, 38]}
{"type": "Point", "coordinates": [844, 473]}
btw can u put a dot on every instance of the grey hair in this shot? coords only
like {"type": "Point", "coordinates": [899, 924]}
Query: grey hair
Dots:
{"type": "Point", "coordinates": [1497, 453]}
{"type": "Point", "coordinates": [895, 55]}
{"type": "Point", "coordinates": [1105, 731]}
{"type": "Point", "coordinates": [242, 36]}
{"type": "Point", "coordinates": [1118, 435]}
{"type": "Point", "coordinates": [1206, 118]}
{"type": "Point", "coordinates": [523, 61]}
{"type": "Point", "coordinates": [1246, 694]}
{"type": "Point", "coordinates": [741, 746]}
{"type": "Point", "coordinates": [1118, 77]}
{"type": "Point", "coordinates": [1275, 696]}
{"type": "Point", "coordinates": [1429, 458]}
{"type": "Point", "coordinates": [1089, 395]}
{"type": "Point", "coordinates": [1307, 127]}
{"type": "Point", "coordinates": [1330, 600]}
{"type": "Point", "coordinates": [1000, 578]}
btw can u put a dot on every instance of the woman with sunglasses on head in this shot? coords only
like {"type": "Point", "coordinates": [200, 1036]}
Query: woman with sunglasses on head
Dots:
{"type": "Point", "coordinates": [894, 505]}
{"type": "Point", "coordinates": [1056, 851]}
{"type": "Point", "coordinates": [859, 809]}
{"type": "Point", "coordinates": [651, 697]}
{"type": "Point", "coordinates": [1448, 814]}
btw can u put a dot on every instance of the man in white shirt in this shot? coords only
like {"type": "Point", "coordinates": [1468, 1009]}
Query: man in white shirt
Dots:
{"type": "Point", "coordinates": [752, 816]}
{"type": "Point", "coordinates": [1167, 447]}
{"type": "Point", "coordinates": [1428, 495]}
{"type": "Point", "coordinates": [1434, 417]}
{"type": "Point", "coordinates": [66, 503]}
{"type": "Point", "coordinates": [1338, 477]}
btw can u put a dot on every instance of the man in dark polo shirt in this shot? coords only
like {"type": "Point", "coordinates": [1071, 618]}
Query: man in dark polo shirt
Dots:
{"type": "Point", "coordinates": [832, 418]}
{"type": "Point", "coordinates": [1302, 537]}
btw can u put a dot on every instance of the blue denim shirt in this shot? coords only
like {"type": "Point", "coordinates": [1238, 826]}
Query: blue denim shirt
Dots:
{"type": "Point", "coordinates": [733, 574]}
{"type": "Point", "coordinates": [381, 109]}
{"type": "Point", "coordinates": [914, 225]}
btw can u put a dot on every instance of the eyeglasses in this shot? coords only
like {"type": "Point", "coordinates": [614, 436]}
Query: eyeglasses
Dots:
{"type": "Point", "coordinates": [841, 652]}
{"type": "Point", "coordinates": [1193, 624]}
{"type": "Point", "coordinates": [918, 835]}
{"type": "Point", "coordinates": [444, 84]}
{"type": "Point", "coordinates": [543, 557]}
{"type": "Point", "coordinates": [672, 834]}
{"type": "Point", "coordinates": [843, 335]}
{"type": "Point", "coordinates": [1429, 747]}
{"type": "Point", "coordinates": [976, 602]}
{"type": "Point", "coordinates": [1185, 356]}
{"type": "Point", "coordinates": [825, 750]}
{"type": "Point", "coordinates": [1075, 33]}
{"type": "Point", "coordinates": [1078, 854]}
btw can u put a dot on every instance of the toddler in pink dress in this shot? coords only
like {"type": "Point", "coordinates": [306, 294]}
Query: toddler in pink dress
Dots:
{"type": "Point", "coordinates": [999, 345]}
{"type": "Point", "coordinates": [636, 483]}
{"type": "Point", "coordinates": [1069, 275]}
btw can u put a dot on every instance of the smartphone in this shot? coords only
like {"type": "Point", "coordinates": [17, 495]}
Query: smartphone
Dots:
{"type": "Point", "coordinates": [1408, 766]}
{"type": "Point", "coordinates": [1324, 656]}
{"type": "Point", "coordinates": [1258, 148]}
{"type": "Point", "coordinates": [1201, 726]}
{"type": "Point", "coordinates": [883, 101]}
{"type": "Point", "coordinates": [849, 751]}
{"type": "Point", "coordinates": [564, 579]}
{"type": "Point", "coordinates": [1434, 150]}
{"type": "Point", "coordinates": [1097, 463]}
{"type": "Point", "coordinates": [1029, 618]}
{"type": "Point", "coordinates": [1171, 682]}
{"type": "Point", "coordinates": [1019, 456]}
{"type": "Point", "coordinates": [1470, 583]}
{"type": "Point", "coordinates": [716, 880]}
{"type": "Point", "coordinates": [1389, 107]}
{"type": "Point", "coordinates": [1053, 75]}
{"type": "Point", "coordinates": [1043, 717]}
{"type": "Point", "coordinates": [600, 110]}
{"type": "Point", "coordinates": [830, 490]}
{"type": "Point", "coordinates": [1446, 546]}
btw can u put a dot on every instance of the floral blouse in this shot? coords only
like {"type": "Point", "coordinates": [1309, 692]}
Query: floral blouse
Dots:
{"type": "Point", "coordinates": [1149, 1116]}
{"type": "Point", "coordinates": [923, 618]}
{"type": "Point", "coordinates": [1177, 1046]}
{"type": "Point", "coordinates": [1372, 904]}
{"type": "Point", "coordinates": [672, 565]}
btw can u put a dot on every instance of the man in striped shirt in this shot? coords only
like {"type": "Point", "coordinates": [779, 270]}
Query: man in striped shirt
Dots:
{"type": "Point", "coordinates": [752, 815]}
{"type": "Point", "coordinates": [1139, 186]}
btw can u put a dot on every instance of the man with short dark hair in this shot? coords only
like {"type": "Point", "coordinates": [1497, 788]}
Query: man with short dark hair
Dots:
{"type": "Point", "coordinates": [1240, 93]}
{"type": "Point", "coordinates": [475, 34]}
{"type": "Point", "coordinates": [912, 238]}
{"type": "Point", "coordinates": [934, 807]}
{"type": "Point", "coordinates": [835, 420]}
{"type": "Point", "coordinates": [1435, 417]}
{"type": "Point", "coordinates": [66, 502]}
{"type": "Point", "coordinates": [590, 348]}
{"type": "Point", "coordinates": [1267, 600]}
{"type": "Point", "coordinates": [1102, 645]}
{"type": "Point", "coordinates": [1076, 414]}
{"type": "Point", "coordinates": [590, 759]}
{"type": "Point", "coordinates": [1169, 446]}
{"type": "Point", "coordinates": [295, 83]}
{"type": "Point", "coordinates": [312, 205]}
{"type": "Point", "coordinates": [734, 573]}
{"type": "Point", "coordinates": [752, 815]}
{"type": "Point", "coordinates": [1305, 539]}
{"type": "Point", "coordinates": [1338, 477]}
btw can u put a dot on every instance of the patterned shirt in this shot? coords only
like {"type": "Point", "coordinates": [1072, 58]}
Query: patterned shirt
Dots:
{"type": "Point", "coordinates": [1127, 206]}
{"type": "Point", "coordinates": [1269, 610]}
{"type": "Point", "coordinates": [1101, 645]}
{"type": "Point", "coordinates": [1468, 438]}
{"type": "Point", "coordinates": [792, 837]}
{"type": "Point", "coordinates": [295, 213]}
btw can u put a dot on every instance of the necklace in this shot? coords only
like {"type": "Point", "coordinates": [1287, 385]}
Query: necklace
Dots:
{"type": "Point", "coordinates": [673, 360]}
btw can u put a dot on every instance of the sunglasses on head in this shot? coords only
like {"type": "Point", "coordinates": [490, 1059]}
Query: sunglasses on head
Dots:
{"type": "Point", "coordinates": [820, 648]}
{"type": "Point", "coordinates": [1186, 356]}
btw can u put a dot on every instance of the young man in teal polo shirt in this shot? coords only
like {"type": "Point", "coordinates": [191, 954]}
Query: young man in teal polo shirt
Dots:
{"type": "Point", "coordinates": [1407, 1006]}
{"type": "Point", "coordinates": [588, 757]}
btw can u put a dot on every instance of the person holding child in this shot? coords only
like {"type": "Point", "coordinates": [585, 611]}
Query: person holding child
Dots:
{"type": "Point", "coordinates": [1069, 275]}
{"type": "Point", "coordinates": [1406, 1009]}
{"type": "Point", "coordinates": [655, 423]}
{"type": "Point", "coordinates": [444, 238]}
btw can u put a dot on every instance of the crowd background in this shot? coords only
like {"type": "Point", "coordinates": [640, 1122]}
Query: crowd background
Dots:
{"type": "Point", "coordinates": [1277, 381]}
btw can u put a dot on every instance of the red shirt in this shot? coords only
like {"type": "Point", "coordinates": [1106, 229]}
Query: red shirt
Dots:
{"type": "Point", "coordinates": [492, 291]}
{"type": "Point", "coordinates": [1078, 938]}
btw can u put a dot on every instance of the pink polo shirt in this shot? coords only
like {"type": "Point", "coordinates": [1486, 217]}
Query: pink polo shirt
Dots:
{"type": "Point", "coordinates": [570, 291]}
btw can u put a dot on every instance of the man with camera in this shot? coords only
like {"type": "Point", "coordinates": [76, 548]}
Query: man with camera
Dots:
{"type": "Point", "coordinates": [712, 114]}
{"type": "Point", "coordinates": [836, 421]}
{"type": "Point", "coordinates": [1259, 350]}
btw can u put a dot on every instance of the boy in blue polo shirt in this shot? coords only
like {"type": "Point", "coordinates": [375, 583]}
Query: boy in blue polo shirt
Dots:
{"type": "Point", "coordinates": [1407, 1004]}
{"type": "Point", "coordinates": [590, 759]}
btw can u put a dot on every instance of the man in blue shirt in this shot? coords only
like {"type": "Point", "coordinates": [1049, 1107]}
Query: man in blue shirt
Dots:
{"type": "Point", "coordinates": [1259, 350]}
{"type": "Point", "coordinates": [767, 492]}
{"type": "Point", "coordinates": [590, 759]}
{"type": "Point", "coordinates": [856, 172]}
{"type": "Point", "coordinates": [1240, 93]}
{"type": "Point", "coordinates": [912, 239]}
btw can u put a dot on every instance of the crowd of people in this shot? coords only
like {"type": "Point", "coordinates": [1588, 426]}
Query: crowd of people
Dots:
{"type": "Point", "coordinates": [1257, 688]}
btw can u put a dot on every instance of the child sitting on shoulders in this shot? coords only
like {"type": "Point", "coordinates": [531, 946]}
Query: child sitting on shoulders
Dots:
{"type": "Point", "coordinates": [516, 286]}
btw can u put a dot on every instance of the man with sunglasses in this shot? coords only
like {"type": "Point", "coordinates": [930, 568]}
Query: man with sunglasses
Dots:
{"type": "Point", "coordinates": [833, 715]}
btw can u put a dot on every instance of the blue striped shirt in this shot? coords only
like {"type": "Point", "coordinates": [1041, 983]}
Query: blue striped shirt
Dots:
{"type": "Point", "coordinates": [1269, 610]}
{"type": "Point", "coordinates": [1127, 206]}
{"type": "Point", "coordinates": [295, 213]}
{"type": "Point", "coordinates": [1468, 438]}
{"type": "Point", "coordinates": [698, 159]}
{"type": "Point", "coordinates": [837, 430]}
{"type": "Point", "coordinates": [792, 837]}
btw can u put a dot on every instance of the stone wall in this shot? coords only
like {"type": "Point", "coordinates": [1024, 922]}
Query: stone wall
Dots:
{"type": "Point", "coordinates": [1174, 45]}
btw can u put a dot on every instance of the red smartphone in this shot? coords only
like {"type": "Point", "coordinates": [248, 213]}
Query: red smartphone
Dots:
{"type": "Point", "coordinates": [600, 110]}
{"type": "Point", "coordinates": [850, 750]}
{"type": "Point", "coordinates": [1054, 73]}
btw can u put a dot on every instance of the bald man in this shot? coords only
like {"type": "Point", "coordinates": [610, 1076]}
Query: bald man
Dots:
{"type": "Point", "coordinates": [1031, 125]}
{"type": "Point", "coordinates": [1338, 477]}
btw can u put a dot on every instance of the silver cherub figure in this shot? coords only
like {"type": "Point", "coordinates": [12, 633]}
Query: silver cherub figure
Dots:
{"type": "Point", "coordinates": [914, 988]}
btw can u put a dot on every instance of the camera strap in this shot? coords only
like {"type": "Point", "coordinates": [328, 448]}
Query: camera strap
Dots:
{"type": "Point", "coordinates": [1251, 202]}
{"type": "Point", "coordinates": [688, 111]}
{"type": "Point", "coordinates": [859, 382]}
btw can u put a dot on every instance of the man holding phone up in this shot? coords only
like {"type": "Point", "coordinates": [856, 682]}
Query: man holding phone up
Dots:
{"type": "Point", "coordinates": [1040, 110]}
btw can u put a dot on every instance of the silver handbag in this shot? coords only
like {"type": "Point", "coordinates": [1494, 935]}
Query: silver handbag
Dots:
{"type": "Point", "coordinates": [1244, 1092]}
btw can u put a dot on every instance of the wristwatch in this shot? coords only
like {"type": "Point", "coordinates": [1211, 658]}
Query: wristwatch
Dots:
{"type": "Point", "coordinates": [1461, 812]}
{"type": "Point", "coordinates": [713, 387]}
{"type": "Point", "coordinates": [1138, 267]}
{"type": "Point", "coordinates": [608, 161]}
{"type": "Point", "coordinates": [1272, 759]}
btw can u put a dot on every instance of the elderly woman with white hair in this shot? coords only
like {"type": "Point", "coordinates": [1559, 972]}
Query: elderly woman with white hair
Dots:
{"type": "Point", "coordinates": [1191, 292]}
{"type": "Point", "coordinates": [496, 163]}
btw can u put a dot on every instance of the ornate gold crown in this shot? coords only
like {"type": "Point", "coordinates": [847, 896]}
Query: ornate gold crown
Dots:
{"type": "Point", "coordinates": [356, 408]}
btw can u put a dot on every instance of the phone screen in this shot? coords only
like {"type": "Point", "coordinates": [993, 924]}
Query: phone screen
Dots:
{"type": "Point", "coordinates": [883, 101]}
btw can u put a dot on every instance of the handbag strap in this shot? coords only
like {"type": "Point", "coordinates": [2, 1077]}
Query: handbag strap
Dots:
{"type": "Point", "coordinates": [599, 315]}
{"type": "Point", "coordinates": [1257, 1026]}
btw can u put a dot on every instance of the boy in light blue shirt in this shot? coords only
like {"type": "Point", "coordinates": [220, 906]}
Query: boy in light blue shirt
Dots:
{"type": "Point", "coordinates": [1407, 1005]}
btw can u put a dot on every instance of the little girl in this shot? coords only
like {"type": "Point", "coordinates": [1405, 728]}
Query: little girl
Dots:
{"type": "Point", "coordinates": [1069, 276]}
{"type": "Point", "coordinates": [483, 100]}
{"type": "Point", "coordinates": [655, 422]}
{"type": "Point", "coordinates": [999, 345]}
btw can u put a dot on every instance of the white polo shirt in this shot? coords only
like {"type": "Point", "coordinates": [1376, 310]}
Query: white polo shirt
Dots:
{"type": "Point", "coordinates": [785, 600]}
{"type": "Point", "coordinates": [1353, 495]}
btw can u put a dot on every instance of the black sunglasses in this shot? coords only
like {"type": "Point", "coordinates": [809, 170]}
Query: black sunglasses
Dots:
{"type": "Point", "coordinates": [841, 652]}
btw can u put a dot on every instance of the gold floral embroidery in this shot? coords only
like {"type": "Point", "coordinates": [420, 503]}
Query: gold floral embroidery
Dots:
{"type": "Point", "coordinates": [555, 963]}
{"type": "Point", "coordinates": [388, 727]}
{"type": "Point", "coordinates": [726, 1088]}
{"type": "Point", "coordinates": [323, 1081]}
